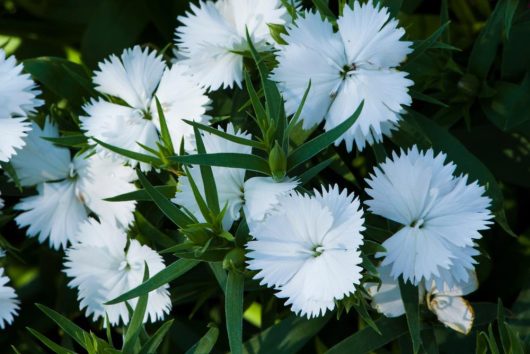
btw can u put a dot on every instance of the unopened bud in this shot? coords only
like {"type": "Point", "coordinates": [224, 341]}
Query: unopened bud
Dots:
{"type": "Point", "coordinates": [235, 259]}
{"type": "Point", "coordinates": [277, 162]}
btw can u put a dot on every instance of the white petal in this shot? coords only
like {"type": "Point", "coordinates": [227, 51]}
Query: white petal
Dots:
{"type": "Point", "coordinates": [102, 269]}
{"type": "Point", "coordinates": [40, 160]}
{"type": "Point", "coordinates": [8, 301]}
{"type": "Point", "coordinates": [18, 92]}
{"type": "Point", "coordinates": [180, 98]}
{"type": "Point", "coordinates": [133, 77]}
{"type": "Point", "coordinates": [101, 178]}
{"type": "Point", "coordinates": [54, 214]}
{"type": "Point", "coordinates": [12, 133]}
{"type": "Point", "coordinates": [454, 312]}
{"type": "Point", "coordinates": [261, 196]}
{"type": "Point", "coordinates": [386, 298]}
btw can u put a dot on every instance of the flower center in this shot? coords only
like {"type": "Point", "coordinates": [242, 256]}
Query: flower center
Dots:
{"type": "Point", "coordinates": [417, 223]}
{"type": "Point", "coordinates": [317, 250]}
{"type": "Point", "coordinates": [347, 70]}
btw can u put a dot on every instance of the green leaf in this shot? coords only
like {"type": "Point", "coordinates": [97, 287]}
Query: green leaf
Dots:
{"type": "Point", "coordinates": [137, 319]}
{"type": "Point", "coordinates": [485, 48]}
{"type": "Point", "coordinates": [164, 131]}
{"type": "Point", "coordinates": [233, 160]}
{"type": "Point", "coordinates": [72, 140]}
{"type": "Point", "coordinates": [152, 344]}
{"type": "Point", "coordinates": [70, 328]}
{"type": "Point", "coordinates": [198, 197]}
{"type": "Point", "coordinates": [219, 274]}
{"type": "Point", "coordinates": [142, 195]}
{"type": "Point", "coordinates": [49, 343]}
{"type": "Point", "coordinates": [367, 340]}
{"type": "Point", "coordinates": [314, 171]}
{"type": "Point", "coordinates": [425, 45]}
{"type": "Point", "coordinates": [151, 232]}
{"type": "Point", "coordinates": [324, 10]}
{"type": "Point", "coordinates": [234, 311]}
{"type": "Point", "coordinates": [316, 145]}
{"type": "Point", "coordinates": [62, 77]}
{"type": "Point", "coordinates": [224, 135]}
{"type": "Point", "coordinates": [501, 324]}
{"type": "Point", "coordinates": [148, 159]}
{"type": "Point", "coordinates": [511, 7]}
{"type": "Point", "coordinates": [206, 343]}
{"type": "Point", "coordinates": [113, 26]}
{"type": "Point", "coordinates": [409, 294]}
{"type": "Point", "coordinates": [210, 188]}
{"type": "Point", "coordinates": [164, 204]}
{"type": "Point", "coordinates": [273, 99]}
{"type": "Point", "coordinates": [286, 337]}
{"type": "Point", "coordinates": [166, 275]}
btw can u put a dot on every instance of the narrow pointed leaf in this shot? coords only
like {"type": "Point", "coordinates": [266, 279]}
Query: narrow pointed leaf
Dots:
{"type": "Point", "coordinates": [149, 159]}
{"type": "Point", "coordinates": [224, 135]}
{"type": "Point", "coordinates": [49, 343]}
{"type": "Point", "coordinates": [142, 195]}
{"type": "Point", "coordinates": [409, 294]}
{"type": "Point", "coordinates": [154, 342]}
{"type": "Point", "coordinates": [206, 343]}
{"type": "Point", "coordinates": [425, 45]}
{"type": "Point", "coordinates": [316, 145]}
{"type": "Point", "coordinates": [137, 319]}
{"type": "Point", "coordinates": [233, 160]}
{"type": "Point", "coordinates": [164, 131]}
{"type": "Point", "coordinates": [72, 140]}
{"type": "Point", "coordinates": [166, 206]}
{"type": "Point", "coordinates": [70, 328]}
{"type": "Point", "coordinates": [208, 181]}
{"type": "Point", "coordinates": [168, 274]}
{"type": "Point", "coordinates": [234, 311]}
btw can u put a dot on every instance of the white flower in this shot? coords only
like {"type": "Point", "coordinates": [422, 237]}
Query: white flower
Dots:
{"type": "Point", "coordinates": [346, 67]}
{"type": "Point", "coordinates": [444, 300]}
{"type": "Point", "coordinates": [8, 301]}
{"type": "Point", "coordinates": [18, 95]}
{"type": "Point", "coordinates": [308, 249]}
{"type": "Point", "coordinates": [212, 34]}
{"type": "Point", "coordinates": [228, 181]}
{"type": "Point", "coordinates": [441, 215]}
{"type": "Point", "coordinates": [103, 264]}
{"type": "Point", "coordinates": [136, 78]}
{"type": "Point", "coordinates": [68, 189]}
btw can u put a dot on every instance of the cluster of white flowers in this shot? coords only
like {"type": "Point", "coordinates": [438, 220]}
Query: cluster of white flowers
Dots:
{"type": "Point", "coordinates": [304, 245]}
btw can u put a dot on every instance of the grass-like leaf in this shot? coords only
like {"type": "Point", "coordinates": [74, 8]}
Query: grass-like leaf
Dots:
{"type": "Point", "coordinates": [208, 181]}
{"type": "Point", "coordinates": [206, 343]}
{"type": "Point", "coordinates": [166, 206]}
{"type": "Point", "coordinates": [409, 294]}
{"type": "Point", "coordinates": [149, 159]}
{"type": "Point", "coordinates": [168, 274]}
{"type": "Point", "coordinates": [234, 311]}
{"type": "Point", "coordinates": [152, 344]}
{"type": "Point", "coordinates": [137, 319]}
{"type": "Point", "coordinates": [49, 343]}
{"type": "Point", "coordinates": [142, 195]}
{"type": "Point", "coordinates": [233, 160]}
{"type": "Point", "coordinates": [70, 328]}
{"type": "Point", "coordinates": [164, 131]}
{"type": "Point", "coordinates": [234, 138]}
{"type": "Point", "coordinates": [316, 145]}
{"type": "Point", "coordinates": [425, 45]}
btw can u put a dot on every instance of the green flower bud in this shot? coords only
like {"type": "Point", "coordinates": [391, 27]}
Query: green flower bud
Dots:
{"type": "Point", "coordinates": [235, 259]}
{"type": "Point", "coordinates": [277, 162]}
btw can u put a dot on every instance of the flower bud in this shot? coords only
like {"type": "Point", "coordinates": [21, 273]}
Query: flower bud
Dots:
{"type": "Point", "coordinates": [235, 259]}
{"type": "Point", "coordinates": [277, 162]}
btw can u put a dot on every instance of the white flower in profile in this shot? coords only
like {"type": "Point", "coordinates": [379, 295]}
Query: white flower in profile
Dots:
{"type": "Point", "coordinates": [445, 300]}
{"type": "Point", "coordinates": [68, 189]}
{"type": "Point", "coordinates": [213, 35]}
{"type": "Point", "coordinates": [346, 67]}
{"type": "Point", "coordinates": [135, 79]}
{"type": "Point", "coordinates": [103, 264]}
{"type": "Point", "coordinates": [441, 215]}
{"type": "Point", "coordinates": [8, 301]}
{"type": "Point", "coordinates": [18, 95]}
{"type": "Point", "coordinates": [308, 249]}
{"type": "Point", "coordinates": [257, 195]}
